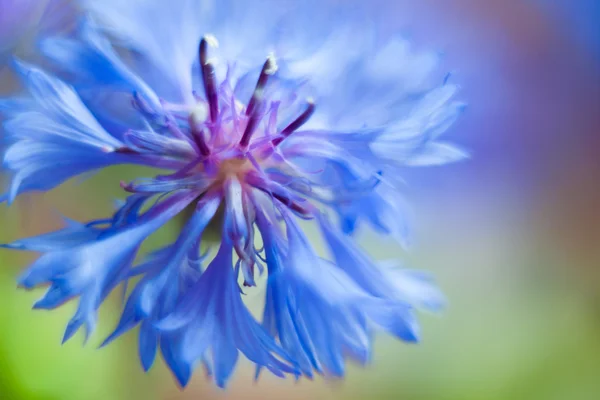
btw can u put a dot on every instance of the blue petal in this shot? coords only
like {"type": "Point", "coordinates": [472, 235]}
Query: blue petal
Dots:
{"type": "Point", "coordinates": [437, 153]}
{"type": "Point", "coordinates": [167, 35]}
{"type": "Point", "coordinates": [225, 356]}
{"type": "Point", "coordinates": [10, 107]}
{"type": "Point", "coordinates": [399, 320]}
{"type": "Point", "coordinates": [157, 293]}
{"type": "Point", "coordinates": [318, 313]}
{"type": "Point", "coordinates": [413, 140]}
{"type": "Point", "coordinates": [74, 234]}
{"type": "Point", "coordinates": [148, 343]}
{"type": "Point", "coordinates": [151, 142]}
{"type": "Point", "coordinates": [354, 261]}
{"type": "Point", "coordinates": [85, 315]}
{"type": "Point", "coordinates": [152, 287]}
{"type": "Point", "coordinates": [399, 292]}
{"type": "Point", "coordinates": [372, 85]}
{"type": "Point", "coordinates": [59, 140]}
{"type": "Point", "coordinates": [130, 317]}
{"type": "Point", "coordinates": [60, 102]}
{"type": "Point", "coordinates": [415, 287]}
{"type": "Point", "coordinates": [55, 296]}
{"type": "Point", "coordinates": [211, 316]}
{"type": "Point", "coordinates": [91, 269]}
{"type": "Point", "coordinates": [381, 206]}
{"type": "Point", "coordinates": [169, 345]}
{"type": "Point", "coordinates": [93, 62]}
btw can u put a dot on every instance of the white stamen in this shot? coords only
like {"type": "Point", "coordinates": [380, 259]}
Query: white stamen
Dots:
{"type": "Point", "coordinates": [211, 40]}
{"type": "Point", "coordinates": [273, 67]}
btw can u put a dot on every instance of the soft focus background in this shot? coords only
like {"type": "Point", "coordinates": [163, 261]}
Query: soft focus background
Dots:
{"type": "Point", "coordinates": [513, 235]}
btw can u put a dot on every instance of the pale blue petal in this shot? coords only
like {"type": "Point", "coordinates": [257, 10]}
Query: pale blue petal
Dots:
{"type": "Point", "coordinates": [211, 317]}
{"type": "Point", "coordinates": [166, 34]}
{"type": "Point", "coordinates": [393, 285]}
{"type": "Point", "coordinates": [93, 62]}
{"type": "Point", "coordinates": [437, 153]}
{"type": "Point", "coordinates": [148, 344]}
{"type": "Point", "coordinates": [92, 269]}
{"type": "Point", "coordinates": [72, 235]}
{"type": "Point", "coordinates": [57, 141]}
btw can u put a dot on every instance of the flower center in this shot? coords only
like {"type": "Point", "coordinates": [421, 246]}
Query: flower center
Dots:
{"type": "Point", "coordinates": [218, 140]}
{"type": "Point", "coordinates": [233, 168]}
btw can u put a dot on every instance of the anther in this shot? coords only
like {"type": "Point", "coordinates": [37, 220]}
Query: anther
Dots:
{"type": "Point", "coordinates": [297, 123]}
{"type": "Point", "coordinates": [208, 76]}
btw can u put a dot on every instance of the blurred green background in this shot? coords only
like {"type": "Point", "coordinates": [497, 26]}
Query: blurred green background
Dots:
{"type": "Point", "coordinates": [513, 236]}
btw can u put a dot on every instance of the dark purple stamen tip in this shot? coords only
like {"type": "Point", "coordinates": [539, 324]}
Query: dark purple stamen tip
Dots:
{"type": "Point", "coordinates": [125, 150]}
{"type": "Point", "coordinates": [268, 69]}
{"type": "Point", "coordinates": [255, 105]}
{"type": "Point", "coordinates": [292, 205]}
{"type": "Point", "coordinates": [128, 187]}
{"type": "Point", "coordinates": [295, 124]}
{"type": "Point", "coordinates": [209, 80]}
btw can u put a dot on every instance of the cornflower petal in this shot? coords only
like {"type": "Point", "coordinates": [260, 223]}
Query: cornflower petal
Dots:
{"type": "Point", "coordinates": [385, 283]}
{"type": "Point", "coordinates": [59, 137]}
{"type": "Point", "coordinates": [318, 312]}
{"type": "Point", "coordinates": [165, 34]}
{"type": "Point", "coordinates": [90, 269]}
{"type": "Point", "coordinates": [94, 62]}
{"type": "Point", "coordinates": [211, 318]}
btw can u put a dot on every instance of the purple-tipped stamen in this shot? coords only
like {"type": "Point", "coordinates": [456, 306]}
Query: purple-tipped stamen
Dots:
{"type": "Point", "coordinates": [209, 79]}
{"type": "Point", "coordinates": [250, 128]}
{"type": "Point", "coordinates": [268, 69]}
{"type": "Point", "coordinates": [254, 108]}
{"type": "Point", "coordinates": [295, 124]}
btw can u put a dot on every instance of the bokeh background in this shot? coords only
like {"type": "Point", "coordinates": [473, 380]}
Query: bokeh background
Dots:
{"type": "Point", "coordinates": [513, 235]}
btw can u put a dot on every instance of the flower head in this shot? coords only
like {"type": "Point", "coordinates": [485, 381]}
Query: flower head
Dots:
{"type": "Point", "coordinates": [259, 128]}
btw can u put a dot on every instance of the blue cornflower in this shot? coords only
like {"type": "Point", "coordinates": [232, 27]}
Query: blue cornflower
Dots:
{"type": "Point", "coordinates": [272, 124]}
